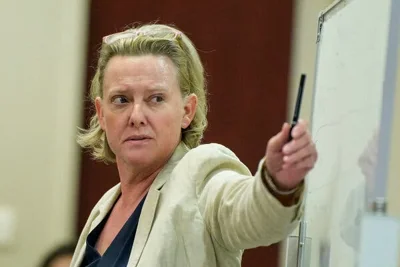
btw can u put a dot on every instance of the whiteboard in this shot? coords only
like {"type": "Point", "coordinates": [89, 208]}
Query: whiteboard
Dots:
{"type": "Point", "coordinates": [350, 123]}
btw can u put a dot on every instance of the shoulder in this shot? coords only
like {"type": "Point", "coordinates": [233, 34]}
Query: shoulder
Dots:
{"type": "Point", "coordinates": [212, 150]}
{"type": "Point", "coordinates": [107, 197]}
{"type": "Point", "coordinates": [111, 193]}
{"type": "Point", "coordinates": [208, 158]}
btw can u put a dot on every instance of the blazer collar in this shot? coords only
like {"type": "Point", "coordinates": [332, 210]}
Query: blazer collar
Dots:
{"type": "Point", "coordinates": [163, 176]}
{"type": "Point", "coordinates": [149, 208]}
{"type": "Point", "coordinates": [150, 205]}
{"type": "Point", "coordinates": [159, 181]}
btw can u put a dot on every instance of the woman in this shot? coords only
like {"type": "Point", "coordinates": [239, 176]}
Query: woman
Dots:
{"type": "Point", "coordinates": [178, 203]}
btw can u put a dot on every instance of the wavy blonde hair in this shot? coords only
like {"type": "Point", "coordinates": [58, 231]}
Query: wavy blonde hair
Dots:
{"type": "Point", "coordinates": [154, 39]}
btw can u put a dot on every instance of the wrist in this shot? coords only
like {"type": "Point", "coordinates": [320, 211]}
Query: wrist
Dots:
{"type": "Point", "coordinates": [276, 187]}
{"type": "Point", "coordinates": [286, 197]}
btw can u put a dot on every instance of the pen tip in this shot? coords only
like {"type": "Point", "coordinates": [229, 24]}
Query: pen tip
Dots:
{"type": "Point", "coordinates": [302, 79]}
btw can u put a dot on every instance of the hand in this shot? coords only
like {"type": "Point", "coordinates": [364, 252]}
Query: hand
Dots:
{"type": "Point", "coordinates": [288, 163]}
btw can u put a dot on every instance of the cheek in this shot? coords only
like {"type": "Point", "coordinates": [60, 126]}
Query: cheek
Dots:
{"type": "Point", "coordinates": [113, 124]}
{"type": "Point", "coordinates": [169, 122]}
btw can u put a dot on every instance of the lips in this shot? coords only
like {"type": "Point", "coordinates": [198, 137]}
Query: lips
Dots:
{"type": "Point", "coordinates": [137, 138]}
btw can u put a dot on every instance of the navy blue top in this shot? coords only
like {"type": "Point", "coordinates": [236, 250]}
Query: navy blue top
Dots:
{"type": "Point", "coordinates": [117, 254]}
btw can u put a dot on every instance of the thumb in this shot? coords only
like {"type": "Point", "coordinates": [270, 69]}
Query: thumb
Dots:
{"type": "Point", "coordinates": [280, 139]}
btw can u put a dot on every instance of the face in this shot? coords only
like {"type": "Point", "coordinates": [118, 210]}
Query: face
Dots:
{"type": "Point", "coordinates": [142, 110]}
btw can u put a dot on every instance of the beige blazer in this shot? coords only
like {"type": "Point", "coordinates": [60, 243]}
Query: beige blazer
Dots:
{"type": "Point", "coordinates": [202, 210]}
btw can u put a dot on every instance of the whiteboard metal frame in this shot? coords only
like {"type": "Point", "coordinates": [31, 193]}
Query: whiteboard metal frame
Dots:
{"type": "Point", "coordinates": [380, 232]}
{"type": "Point", "coordinates": [389, 88]}
{"type": "Point", "coordinates": [302, 237]}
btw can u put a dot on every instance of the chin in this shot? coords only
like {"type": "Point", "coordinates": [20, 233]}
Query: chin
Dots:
{"type": "Point", "coordinates": [145, 155]}
{"type": "Point", "coordinates": [142, 158]}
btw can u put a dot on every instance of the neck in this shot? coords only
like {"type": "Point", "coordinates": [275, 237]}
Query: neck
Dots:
{"type": "Point", "coordinates": [135, 182]}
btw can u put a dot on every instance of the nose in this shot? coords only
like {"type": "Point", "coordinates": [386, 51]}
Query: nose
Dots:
{"type": "Point", "coordinates": [137, 117]}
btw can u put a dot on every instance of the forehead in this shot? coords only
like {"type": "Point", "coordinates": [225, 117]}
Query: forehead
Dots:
{"type": "Point", "coordinates": [146, 69]}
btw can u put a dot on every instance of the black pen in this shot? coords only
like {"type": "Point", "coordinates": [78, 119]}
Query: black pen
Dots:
{"type": "Point", "coordinates": [298, 105]}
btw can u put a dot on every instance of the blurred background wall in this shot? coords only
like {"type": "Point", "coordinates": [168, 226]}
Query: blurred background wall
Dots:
{"type": "Point", "coordinates": [46, 57]}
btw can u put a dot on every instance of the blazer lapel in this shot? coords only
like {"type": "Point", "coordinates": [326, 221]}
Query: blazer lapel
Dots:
{"type": "Point", "coordinates": [95, 219]}
{"type": "Point", "coordinates": [144, 226]}
{"type": "Point", "coordinates": [150, 205]}
{"type": "Point", "coordinates": [106, 206]}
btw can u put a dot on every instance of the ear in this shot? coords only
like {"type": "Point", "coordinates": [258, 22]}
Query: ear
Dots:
{"type": "Point", "coordinates": [189, 110]}
{"type": "Point", "coordinates": [99, 111]}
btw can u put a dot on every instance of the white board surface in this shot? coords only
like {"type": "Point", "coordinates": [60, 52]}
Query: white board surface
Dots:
{"type": "Point", "coordinates": [352, 76]}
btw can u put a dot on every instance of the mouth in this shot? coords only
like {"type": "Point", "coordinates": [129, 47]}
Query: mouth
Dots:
{"type": "Point", "coordinates": [137, 138]}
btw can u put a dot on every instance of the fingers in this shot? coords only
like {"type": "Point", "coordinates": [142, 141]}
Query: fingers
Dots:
{"type": "Point", "coordinates": [297, 144]}
{"type": "Point", "coordinates": [301, 139]}
{"type": "Point", "coordinates": [306, 162]}
{"type": "Point", "coordinates": [276, 143]}
{"type": "Point", "coordinates": [296, 157]}
{"type": "Point", "coordinates": [300, 154]}
{"type": "Point", "coordinates": [300, 129]}
{"type": "Point", "coordinates": [301, 151]}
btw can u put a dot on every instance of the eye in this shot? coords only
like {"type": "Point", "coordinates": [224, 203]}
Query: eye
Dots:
{"type": "Point", "coordinates": [157, 99]}
{"type": "Point", "coordinates": [119, 99]}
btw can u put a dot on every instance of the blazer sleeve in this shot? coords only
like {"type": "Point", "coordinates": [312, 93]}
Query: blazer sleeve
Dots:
{"type": "Point", "coordinates": [238, 209]}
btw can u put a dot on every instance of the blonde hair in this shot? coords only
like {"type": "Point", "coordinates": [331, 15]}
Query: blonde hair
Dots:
{"type": "Point", "coordinates": [154, 39]}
